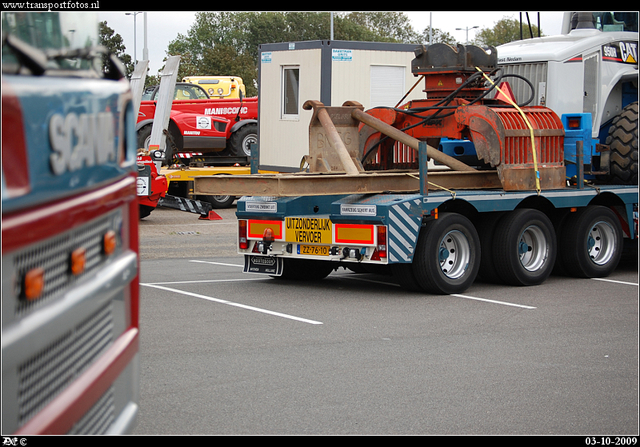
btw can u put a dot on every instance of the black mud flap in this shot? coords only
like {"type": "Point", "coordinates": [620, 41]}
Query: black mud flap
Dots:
{"type": "Point", "coordinates": [184, 204]}
{"type": "Point", "coordinates": [267, 265]}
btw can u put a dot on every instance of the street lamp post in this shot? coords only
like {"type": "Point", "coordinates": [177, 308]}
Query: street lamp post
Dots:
{"type": "Point", "coordinates": [135, 55]}
{"type": "Point", "coordinates": [145, 50]}
{"type": "Point", "coordinates": [467, 31]}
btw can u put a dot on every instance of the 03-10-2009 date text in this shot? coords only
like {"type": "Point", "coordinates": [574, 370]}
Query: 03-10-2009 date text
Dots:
{"type": "Point", "coordinates": [611, 440]}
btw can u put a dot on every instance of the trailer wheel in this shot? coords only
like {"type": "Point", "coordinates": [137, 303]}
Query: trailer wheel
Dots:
{"type": "Point", "coordinates": [145, 210]}
{"type": "Point", "coordinates": [591, 243]}
{"type": "Point", "coordinates": [623, 143]}
{"type": "Point", "coordinates": [403, 273]}
{"type": "Point", "coordinates": [486, 229]}
{"type": "Point", "coordinates": [218, 202]}
{"type": "Point", "coordinates": [241, 140]}
{"type": "Point", "coordinates": [447, 256]}
{"type": "Point", "coordinates": [524, 247]}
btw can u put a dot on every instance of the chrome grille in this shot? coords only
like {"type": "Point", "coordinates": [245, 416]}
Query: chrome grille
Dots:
{"type": "Point", "coordinates": [536, 73]}
{"type": "Point", "coordinates": [45, 375]}
{"type": "Point", "coordinates": [53, 256]}
{"type": "Point", "coordinates": [98, 420]}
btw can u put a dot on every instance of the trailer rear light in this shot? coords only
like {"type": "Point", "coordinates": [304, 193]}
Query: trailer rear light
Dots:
{"type": "Point", "coordinates": [33, 283]}
{"type": "Point", "coordinates": [382, 241]}
{"type": "Point", "coordinates": [243, 243]}
{"type": "Point", "coordinates": [380, 251]}
{"type": "Point", "coordinates": [264, 245]}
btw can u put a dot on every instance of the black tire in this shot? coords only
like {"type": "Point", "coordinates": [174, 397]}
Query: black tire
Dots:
{"type": "Point", "coordinates": [145, 210]}
{"type": "Point", "coordinates": [559, 219]}
{"type": "Point", "coordinates": [623, 144]}
{"type": "Point", "coordinates": [240, 141]}
{"type": "Point", "coordinates": [143, 137]}
{"type": "Point", "coordinates": [403, 273]}
{"type": "Point", "coordinates": [447, 255]}
{"type": "Point", "coordinates": [591, 243]}
{"type": "Point", "coordinates": [524, 249]}
{"type": "Point", "coordinates": [218, 202]}
{"type": "Point", "coordinates": [486, 229]}
{"type": "Point", "coordinates": [144, 134]}
{"type": "Point", "coordinates": [305, 269]}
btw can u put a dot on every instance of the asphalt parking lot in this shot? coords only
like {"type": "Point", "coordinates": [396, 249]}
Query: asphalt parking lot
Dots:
{"type": "Point", "coordinates": [224, 352]}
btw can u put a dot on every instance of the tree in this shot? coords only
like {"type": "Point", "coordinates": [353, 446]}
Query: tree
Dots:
{"type": "Point", "coordinates": [387, 26]}
{"type": "Point", "coordinates": [504, 31]}
{"type": "Point", "coordinates": [226, 43]}
{"type": "Point", "coordinates": [115, 44]}
{"type": "Point", "coordinates": [438, 36]}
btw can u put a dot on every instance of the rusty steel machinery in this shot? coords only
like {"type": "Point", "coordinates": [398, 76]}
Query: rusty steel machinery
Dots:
{"type": "Point", "coordinates": [524, 144]}
{"type": "Point", "coordinates": [356, 151]}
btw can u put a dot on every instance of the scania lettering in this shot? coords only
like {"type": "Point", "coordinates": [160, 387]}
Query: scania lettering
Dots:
{"type": "Point", "coordinates": [70, 332]}
{"type": "Point", "coordinates": [94, 136]}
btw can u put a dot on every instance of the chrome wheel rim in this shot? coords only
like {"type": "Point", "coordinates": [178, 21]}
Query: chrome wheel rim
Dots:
{"type": "Point", "coordinates": [454, 254]}
{"type": "Point", "coordinates": [247, 142]}
{"type": "Point", "coordinates": [533, 248]}
{"type": "Point", "coordinates": [601, 243]}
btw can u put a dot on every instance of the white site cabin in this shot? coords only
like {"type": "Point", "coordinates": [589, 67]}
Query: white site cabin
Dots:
{"type": "Point", "coordinates": [332, 72]}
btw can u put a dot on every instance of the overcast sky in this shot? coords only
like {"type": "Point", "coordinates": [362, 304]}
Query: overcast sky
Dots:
{"type": "Point", "coordinates": [163, 27]}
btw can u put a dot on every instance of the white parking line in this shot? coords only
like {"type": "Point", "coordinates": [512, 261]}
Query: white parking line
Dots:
{"type": "Point", "coordinates": [504, 303]}
{"type": "Point", "coordinates": [204, 280]}
{"type": "Point", "coordinates": [456, 295]}
{"type": "Point", "coordinates": [216, 263]}
{"type": "Point", "coordinates": [351, 276]}
{"type": "Point", "coordinates": [617, 282]}
{"type": "Point", "coordinates": [230, 303]}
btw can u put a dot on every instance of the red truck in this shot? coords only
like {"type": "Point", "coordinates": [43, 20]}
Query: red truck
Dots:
{"type": "Point", "coordinates": [199, 124]}
{"type": "Point", "coordinates": [70, 255]}
{"type": "Point", "coordinates": [151, 186]}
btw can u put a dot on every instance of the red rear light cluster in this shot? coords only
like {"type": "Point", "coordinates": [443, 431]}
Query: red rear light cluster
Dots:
{"type": "Point", "coordinates": [243, 242]}
{"type": "Point", "coordinates": [382, 242]}
{"type": "Point", "coordinates": [380, 251]}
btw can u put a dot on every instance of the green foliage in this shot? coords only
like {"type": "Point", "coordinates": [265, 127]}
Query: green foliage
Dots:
{"type": "Point", "coordinates": [115, 45]}
{"type": "Point", "coordinates": [504, 31]}
{"type": "Point", "coordinates": [439, 36]}
{"type": "Point", "coordinates": [227, 43]}
{"type": "Point", "coordinates": [386, 26]}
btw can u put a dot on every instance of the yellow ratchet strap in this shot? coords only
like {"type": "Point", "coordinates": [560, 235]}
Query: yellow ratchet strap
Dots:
{"type": "Point", "coordinates": [453, 193]}
{"type": "Point", "coordinates": [526, 120]}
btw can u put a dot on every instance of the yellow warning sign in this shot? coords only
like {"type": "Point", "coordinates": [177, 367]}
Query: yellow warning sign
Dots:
{"type": "Point", "coordinates": [310, 230]}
